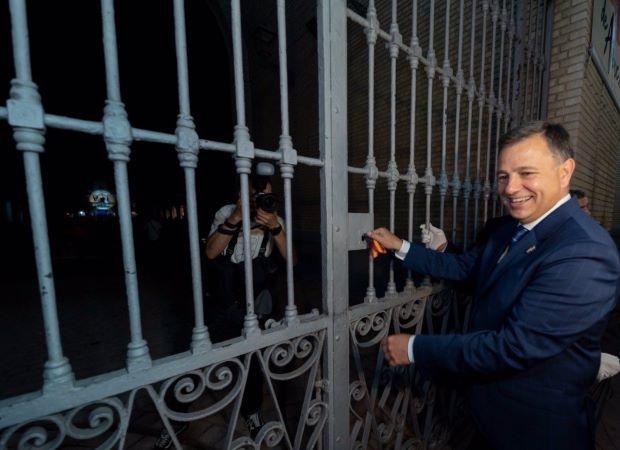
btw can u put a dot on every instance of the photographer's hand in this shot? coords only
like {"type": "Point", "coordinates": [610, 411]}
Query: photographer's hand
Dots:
{"type": "Point", "coordinates": [217, 241]}
{"type": "Point", "coordinates": [235, 217]}
{"type": "Point", "coordinates": [269, 220]}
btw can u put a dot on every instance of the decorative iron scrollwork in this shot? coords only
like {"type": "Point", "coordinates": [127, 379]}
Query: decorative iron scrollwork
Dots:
{"type": "Point", "coordinates": [88, 421]}
{"type": "Point", "coordinates": [190, 386]}
{"type": "Point", "coordinates": [373, 327]}
{"type": "Point", "coordinates": [301, 353]}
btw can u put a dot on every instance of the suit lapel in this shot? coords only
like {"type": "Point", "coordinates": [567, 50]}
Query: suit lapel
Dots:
{"type": "Point", "coordinates": [495, 247]}
{"type": "Point", "coordinates": [525, 248]}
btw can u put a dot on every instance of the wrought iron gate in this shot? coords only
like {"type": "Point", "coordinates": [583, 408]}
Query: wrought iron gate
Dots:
{"type": "Point", "coordinates": [350, 400]}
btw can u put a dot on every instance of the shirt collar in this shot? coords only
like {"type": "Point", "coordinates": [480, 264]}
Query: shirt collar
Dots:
{"type": "Point", "coordinates": [530, 226]}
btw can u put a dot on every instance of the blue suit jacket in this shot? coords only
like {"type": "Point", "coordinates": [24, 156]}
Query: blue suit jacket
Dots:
{"type": "Point", "coordinates": [533, 349]}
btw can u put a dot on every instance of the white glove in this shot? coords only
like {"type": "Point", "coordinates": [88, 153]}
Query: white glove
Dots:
{"type": "Point", "coordinates": [434, 238]}
{"type": "Point", "coordinates": [610, 365]}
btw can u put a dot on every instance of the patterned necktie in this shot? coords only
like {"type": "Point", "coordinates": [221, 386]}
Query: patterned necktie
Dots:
{"type": "Point", "coordinates": [516, 237]}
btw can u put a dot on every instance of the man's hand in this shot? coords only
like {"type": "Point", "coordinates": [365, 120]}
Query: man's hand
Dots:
{"type": "Point", "coordinates": [386, 238]}
{"type": "Point", "coordinates": [610, 366]}
{"type": "Point", "coordinates": [433, 237]}
{"type": "Point", "coordinates": [395, 349]}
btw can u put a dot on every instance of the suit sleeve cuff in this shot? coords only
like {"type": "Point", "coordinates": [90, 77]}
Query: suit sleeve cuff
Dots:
{"type": "Point", "coordinates": [410, 348]}
{"type": "Point", "coordinates": [404, 249]}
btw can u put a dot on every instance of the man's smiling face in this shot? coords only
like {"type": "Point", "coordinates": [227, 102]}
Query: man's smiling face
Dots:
{"type": "Point", "coordinates": [531, 179]}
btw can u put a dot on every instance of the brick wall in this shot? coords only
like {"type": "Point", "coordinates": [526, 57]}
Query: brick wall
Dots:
{"type": "Point", "coordinates": [579, 100]}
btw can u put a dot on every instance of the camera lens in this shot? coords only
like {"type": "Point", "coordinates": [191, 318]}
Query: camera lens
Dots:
{"type": "Point", "coordinates": [266, 202]}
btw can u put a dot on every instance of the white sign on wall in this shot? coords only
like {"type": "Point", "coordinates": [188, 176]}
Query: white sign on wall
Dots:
{"type": "Point", "coordinates": [606, 43]}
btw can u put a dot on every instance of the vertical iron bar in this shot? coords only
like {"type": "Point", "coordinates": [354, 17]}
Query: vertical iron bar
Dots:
{"type": "Point", "coordinates": [445, 81]}
{"type": "Point", "coordinates": [546, 57]}
{"type": "Point", "coordinates": [540, 61]}
{"type": "Point", "coordinates": [188, 149]}
{"type": "Point", "coordinates": [287, 164]}
{"type": "Point", "coordinates": [456, 182]}
{"type": "Point", "coordinates": [429, 179]}
{"type": "Point", "coordinates": [372, 172]}
{"type": "Point", "coordinates": [332, 34]}
{"type": "Point", "coordinates": [491, 105]}
{"type": "Point", "coordinates": [243, 163]}
{"type": "Point", "coordinates": [29, 135]}
{"type": "Point", "coordinates": [117, 136]}
{"type": "Point", "coordinates": [500, 103]}
{"type": "Point", "coordinates": [412, 176]}
{"type": "Point", "coordinates": [395, 40]}
{"type": "Point", "coordinates": [471, 93]}
{"type": "Point", "coordinates": [528, 54]}
{"type": "Point", "coordinates": [510, 62]}
{"type": "Point", "coordinates": [518, 91]}
{"type": "Point", "coordinates": [481, 99]}
{"type": "Point", "coordinates": [508, 108]}
{"type": "Point", "coordinates": [535, 55]}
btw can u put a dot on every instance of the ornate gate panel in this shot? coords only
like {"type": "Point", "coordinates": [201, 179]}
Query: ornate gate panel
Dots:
{"type": "Point", "coordinates": [348, 398]}
{"type": "Point", "coordinates": [433, 124]}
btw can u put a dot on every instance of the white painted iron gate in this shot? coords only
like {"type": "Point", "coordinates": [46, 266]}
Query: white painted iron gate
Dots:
{"type": "Point", "coordinates": [440, 81]}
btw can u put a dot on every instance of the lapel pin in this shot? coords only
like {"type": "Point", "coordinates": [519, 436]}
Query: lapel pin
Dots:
{"type": "Point", "coordinates": [531, 249]}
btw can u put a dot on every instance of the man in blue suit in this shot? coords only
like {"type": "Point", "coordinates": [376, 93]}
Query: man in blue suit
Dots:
{"type": "Point", "coordinates": [545, 280]}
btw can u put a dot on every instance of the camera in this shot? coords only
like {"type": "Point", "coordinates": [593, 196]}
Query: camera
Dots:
{"type": "Point", "coordinates": [266, 201]}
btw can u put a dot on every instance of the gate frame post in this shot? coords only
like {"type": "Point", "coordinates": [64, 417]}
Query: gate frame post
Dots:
{"type": "Point", "coordinates": [332, 68]}
{"type": "Point", "coordinates": [518, 65]}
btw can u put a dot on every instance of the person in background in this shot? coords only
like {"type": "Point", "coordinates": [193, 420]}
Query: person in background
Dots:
{"type": "Point", "coordinates": [226, 279]}
{"type": "Point", "coordinates": [224, 250]}
{"type": "Point", "coordinates": [582, 199]}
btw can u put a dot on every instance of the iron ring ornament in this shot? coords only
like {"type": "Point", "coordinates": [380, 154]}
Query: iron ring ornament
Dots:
{"type": "Point", "coordinates": [410, 314]}
{"type": "Point", "coordinates": [385, 432]}
{"type": "Point", "coordinates": [440, 303]}
{"type": "Point", "coordinates": [190, 386]}
{"type": "Point", "coordinates": [99, 416]}
{"type": "Point", "coordinates": [270, 435]}
{"type": "Point", "coordinates": [374, 327]}
{"type": "Point", "coordinates": [316, 417]}
{"type": "Point", "coordinates": [306, 349]}
{"type": "Point", "coordinates": [36, 436]}
{"type": "Point", "coordinates": [357, 391]}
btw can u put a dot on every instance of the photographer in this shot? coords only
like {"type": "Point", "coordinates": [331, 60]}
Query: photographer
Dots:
{"type": "Point", "coordinates": [226, 225]}
{"type": "Point", "coordinates": [226, 275]}
{"type": "Point", "coordinates": [224, 249]}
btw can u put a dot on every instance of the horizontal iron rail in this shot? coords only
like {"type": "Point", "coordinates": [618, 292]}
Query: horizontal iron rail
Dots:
{"type": "Point", "coordinates": [96, 128]}
{"type": "Point", "coordinates": [20, 409]}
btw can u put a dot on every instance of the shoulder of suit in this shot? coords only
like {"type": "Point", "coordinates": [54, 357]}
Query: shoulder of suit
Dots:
{"type": "Point", "coordinates": [581, 236]}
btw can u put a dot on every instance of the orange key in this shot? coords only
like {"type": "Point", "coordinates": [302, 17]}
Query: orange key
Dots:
{"type": "Point", "coordinates": [376, 249]}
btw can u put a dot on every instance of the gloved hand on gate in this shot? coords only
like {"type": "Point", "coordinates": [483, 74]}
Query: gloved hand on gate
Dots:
{"type": "Point", "coordinates": [433, 237]}
{"type": "Point", "coordinates": [610, 366]}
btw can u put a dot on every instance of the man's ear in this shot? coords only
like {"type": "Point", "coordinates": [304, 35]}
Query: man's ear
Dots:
{"type": "Point", "coordinates": [566, 171]}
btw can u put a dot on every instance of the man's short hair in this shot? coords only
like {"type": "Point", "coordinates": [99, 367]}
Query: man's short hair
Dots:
{"type": "Point", "coordinates": [577, 193]}
{"type": "Point", "coordinates": [555, 134]}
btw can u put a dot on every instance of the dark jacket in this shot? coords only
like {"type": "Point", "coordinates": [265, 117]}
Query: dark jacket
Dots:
{"type": "Point", "coordinates": [533, 349]}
